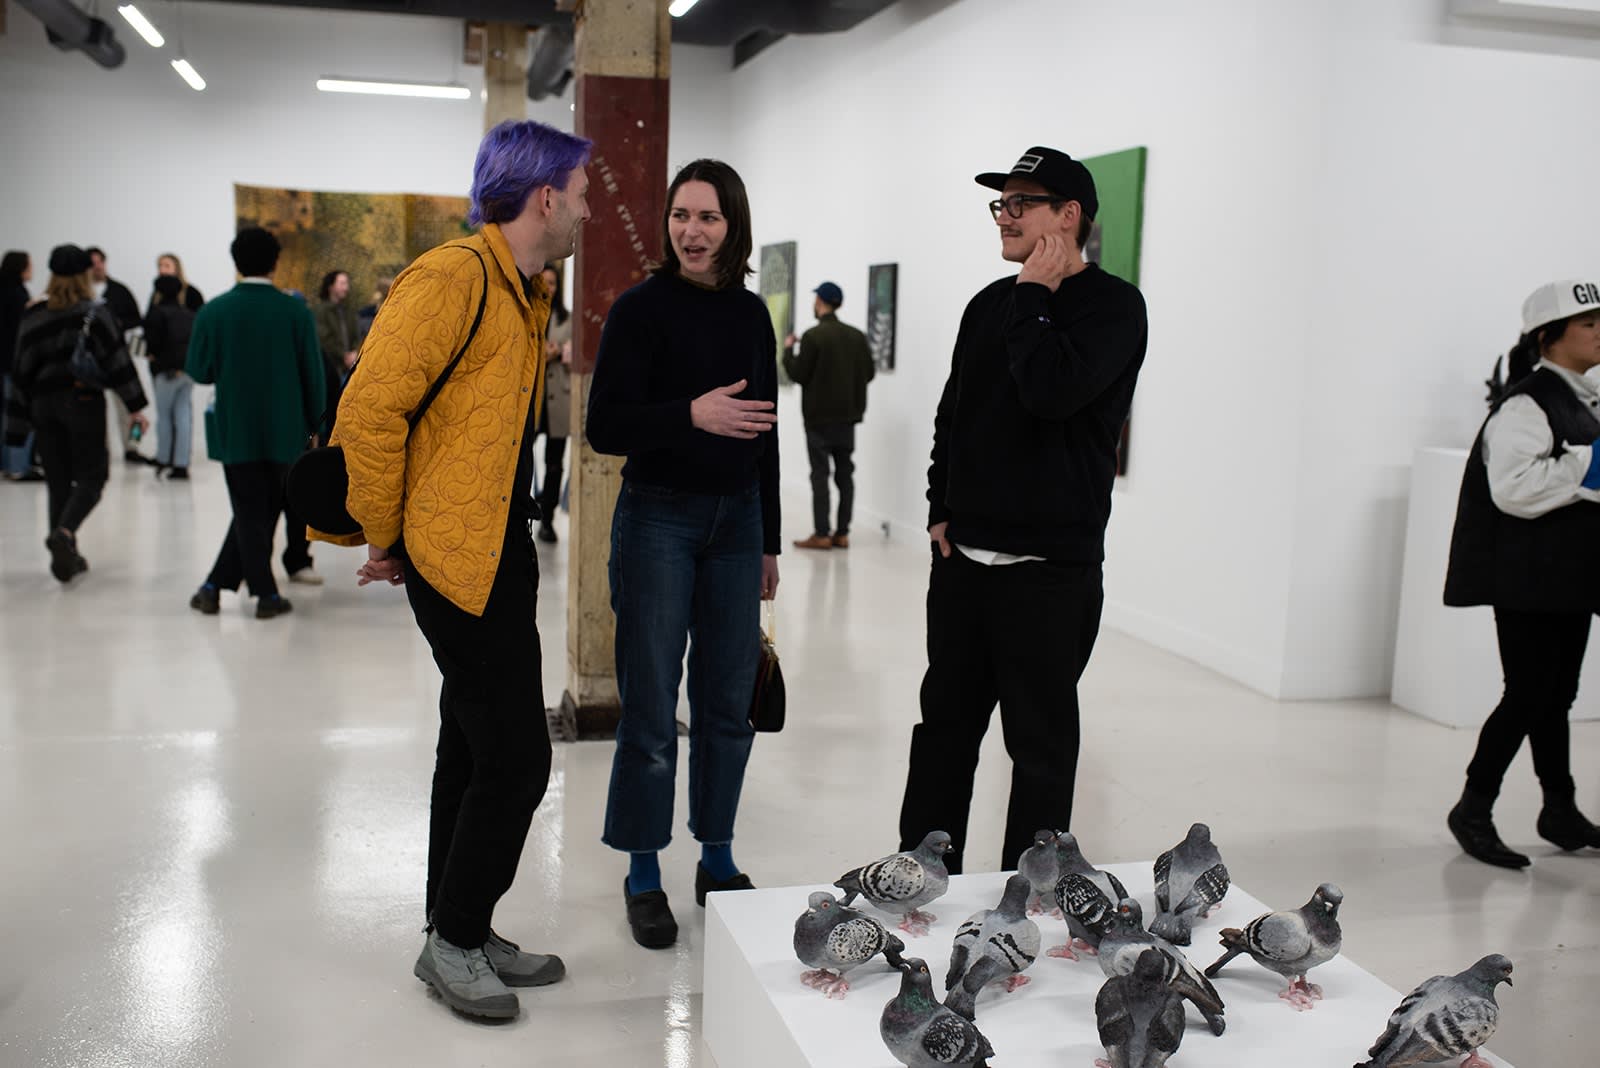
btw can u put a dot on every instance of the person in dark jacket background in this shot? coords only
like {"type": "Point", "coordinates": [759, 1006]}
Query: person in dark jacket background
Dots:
{"type": "Point", "coordinates": [832, 369]}
{"type": "Point", "coordinates": [338, 335]}
{"type": "Point", "coordinates": [124, 310]}
{"type": "Point", "coordinates": [16, 269]}
{"type": "Point", "coordinates": [167, 327]}
{"type": "Point", "coordinates": [68, 414]}
{"type": "Point", "coordinates": [1019, 493]}
{"type": "Point", "coordinates": [169, 266]}
{"type": "Point", "coordinates": [1527, 523]}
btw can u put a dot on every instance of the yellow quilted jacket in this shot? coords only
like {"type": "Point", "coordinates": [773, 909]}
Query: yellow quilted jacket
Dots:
{"type": "Point", "coordinates": [447, 489]}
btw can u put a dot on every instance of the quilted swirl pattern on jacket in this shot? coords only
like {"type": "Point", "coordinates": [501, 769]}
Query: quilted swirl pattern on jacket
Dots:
{"type": "Point", "coordinates": [448, 489]}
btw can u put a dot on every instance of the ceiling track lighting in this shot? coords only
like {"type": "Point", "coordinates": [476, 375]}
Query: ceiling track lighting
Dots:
{"type": "Point", "coordinates": [187, 72]}
{"type": "Point", "coordinates": [681, 8]}
{"type": "Point", "coordinates": [384, 88]}
{"type": "Point", "coordinates": [135, 18]}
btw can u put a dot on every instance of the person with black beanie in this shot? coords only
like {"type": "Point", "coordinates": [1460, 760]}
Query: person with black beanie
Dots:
{"type": "Point", "coordinates": [1527, 523]}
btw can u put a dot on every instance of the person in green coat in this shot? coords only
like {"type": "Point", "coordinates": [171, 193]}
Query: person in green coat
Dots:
{"type": "Point", "coordinates": [259, 346]}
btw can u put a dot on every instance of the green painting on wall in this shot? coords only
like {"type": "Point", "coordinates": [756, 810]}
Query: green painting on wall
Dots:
{"type": "Point", "coordinates": [1118, 230]}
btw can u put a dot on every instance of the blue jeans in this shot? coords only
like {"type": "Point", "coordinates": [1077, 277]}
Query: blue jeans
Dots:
{"type": "Point", "coordinates": [174, 417]}
{"type": "Point", "coordinates": [685, 569]}
{"type": "Point", "coordinates": [14, 460]}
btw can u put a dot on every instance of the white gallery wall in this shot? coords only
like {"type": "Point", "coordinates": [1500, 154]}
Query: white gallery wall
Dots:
{"type": "Point", "coordinates": [1346, 201]}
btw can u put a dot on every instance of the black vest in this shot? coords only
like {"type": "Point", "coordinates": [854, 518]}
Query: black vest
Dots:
{"type": "Point", "coordinates": [1548, 564]}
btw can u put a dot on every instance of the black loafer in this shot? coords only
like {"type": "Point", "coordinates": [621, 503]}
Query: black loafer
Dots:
{"type": "Point", "coordinates": [704, 884]}
{"type": "Point", "coordinates": [650, 917]}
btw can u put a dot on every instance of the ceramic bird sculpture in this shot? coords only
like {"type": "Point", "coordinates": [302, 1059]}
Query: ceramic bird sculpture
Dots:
{"type": "Point", "coordinates": [1082, 900]}
{"type": "Point", "coordinates": [1445, 1017]}
{"type": "Point", "coordinates": [921, 1033]}
{"type": "Point", "coordinates": [1139, 1015]}
{"type": "Point", "coordinates": [1041, 863]}
{"type": "Point", "coordinates": [993, 945]}
{"type": "Point", "coordinates": [1127, 939]}
{"type": "Point", "coordinates": [1290, 943]}
{"type": "Point", "coordinates": [1190, 881]}
{"type": "Point", "coordinates": [903, 882]}
{"type": "Point", "coordinates": [833, 939]}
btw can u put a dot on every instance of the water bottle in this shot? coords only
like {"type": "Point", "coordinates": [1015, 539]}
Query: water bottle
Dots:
{"type": "Point", "coordinates": [135, 432]}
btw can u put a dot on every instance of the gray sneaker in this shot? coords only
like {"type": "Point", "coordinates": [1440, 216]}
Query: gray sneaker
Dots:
{"type": "Point", "coordinates": [516, 968]}
{"type": "Point", "coordinates": [465, 979]}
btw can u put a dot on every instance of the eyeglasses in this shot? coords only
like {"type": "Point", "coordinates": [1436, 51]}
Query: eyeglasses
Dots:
{"type": "Point", "coordinates": [1017, 203]}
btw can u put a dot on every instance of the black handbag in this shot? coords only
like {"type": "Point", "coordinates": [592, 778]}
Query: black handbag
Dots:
{"type": "Point", "coordinates": [769, 702]}
{"type": "Point", "coordinates": [319, 482]}
{"type": "Point", "coordinates": [84, 367]}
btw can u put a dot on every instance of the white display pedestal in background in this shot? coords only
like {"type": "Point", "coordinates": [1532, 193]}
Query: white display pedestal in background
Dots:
{"type": "Point", "coordinates": [1446, 660]}
{"type": "Point", "coordinates": [758, 1014]}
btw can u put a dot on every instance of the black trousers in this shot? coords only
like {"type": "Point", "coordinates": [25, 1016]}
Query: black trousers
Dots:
{"type": "Point", "coordinates": [1541, 655]}
{"type": "Point", "coordinates": [1020, 635]}
{"type": "Point", "coordinates": [296, 546]}
{"type": "Point", "coordinates": [256, 492]}
{"type": "Point", "coordinates": [831, 443]}
{"type": "Point", "coordinates": [555, 449]}
{"type": "Point", "coordinates": [70, 434]}
{"type": "Point", "coordinates": [493, 760]}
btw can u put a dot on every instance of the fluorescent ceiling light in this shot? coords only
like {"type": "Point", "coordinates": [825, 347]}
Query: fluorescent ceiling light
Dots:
{"type": "Point", "coordinates": [680, 8]}
{"type": "Point", "coordinates": [346, 85]}
{"type": "Point", "coordinates": [189, 74]}
{"type": "Point", "coordinates": [137, 20]}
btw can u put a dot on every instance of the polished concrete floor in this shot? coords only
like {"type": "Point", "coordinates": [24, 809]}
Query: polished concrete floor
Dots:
{"type": "Point", "coordinates": [214, 828]}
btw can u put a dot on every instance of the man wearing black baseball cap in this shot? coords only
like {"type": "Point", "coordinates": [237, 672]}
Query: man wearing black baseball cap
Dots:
{"type": "Point", "coordinates": [1019, 492]}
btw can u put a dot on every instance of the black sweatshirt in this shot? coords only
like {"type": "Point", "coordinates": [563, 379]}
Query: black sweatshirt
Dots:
{"type": "Point", "coordinates": [1025, 439]}
{"type": "Point", "coordinates": [666, 342]}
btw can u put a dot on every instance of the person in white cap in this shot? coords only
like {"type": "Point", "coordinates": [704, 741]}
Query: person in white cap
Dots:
{"type": "Point", "coordinates": [1527, 524]}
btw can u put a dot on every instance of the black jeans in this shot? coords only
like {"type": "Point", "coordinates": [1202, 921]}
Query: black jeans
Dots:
{"type": "Point", "coordinates": [70, 432]}
{"type": "Point", "coordinates": [825, 443]}
{"type": "Point", "coordinates": [1541, 655]}
{"type": "Point", "coordinates": [1018, 634]}
{"type": "Point", "coordinates": [256, 492]}
{"type": "Point", "coordinates": [296, 546]}
{"type": "Point", "coordinates": [550, 489]}
{"type": "Point", "coordinates": [493, 760]}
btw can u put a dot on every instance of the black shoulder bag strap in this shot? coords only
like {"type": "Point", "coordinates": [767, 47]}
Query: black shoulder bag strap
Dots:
{"type": "Point", "coordinates": [477, 320]}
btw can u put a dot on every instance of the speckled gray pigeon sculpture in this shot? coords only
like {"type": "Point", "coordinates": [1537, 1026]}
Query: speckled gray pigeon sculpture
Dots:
{"type": "Point", "coordinates": [993, 945]}
{"type": "Point", "coordinates": [1190, 881]}
{"type": "Point", "coordinates": [833, 939]}
{"type": "Point", "coordinates": [1076, 900]}
{"type": "Point", "coordinates": [903, 882]}
{"type": "Point", "coordinates": [921, 1033]}
{"type": "Point", "coordinates": [1139, 1015]}
{"type": "Point", "coordinates": [1041, 863]}
{"type": "Point", "coordinates": [1443, 1018]}
{"type": "Point", "coordinates": [1119, 953]}
{"type": "Point", "coordinates": [1290, 943]}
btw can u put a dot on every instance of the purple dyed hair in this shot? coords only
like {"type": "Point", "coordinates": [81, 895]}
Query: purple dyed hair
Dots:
{"type": "Point", "coordinates": [514, 159]}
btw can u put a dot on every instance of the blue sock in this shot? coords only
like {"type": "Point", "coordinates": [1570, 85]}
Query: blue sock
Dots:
{"type": "Point", "coordinates": [717, 860]}
{"type": "Point", "coordinates": [644, 872]}
{"type": "Point", "coordinates": [212, 586]}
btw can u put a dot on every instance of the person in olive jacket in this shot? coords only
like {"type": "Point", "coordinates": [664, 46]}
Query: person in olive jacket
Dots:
{"type": "Point", "coordinates": [259, 346]}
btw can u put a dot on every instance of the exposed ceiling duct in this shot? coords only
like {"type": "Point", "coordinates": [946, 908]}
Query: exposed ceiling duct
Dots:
{"type": "Point", "coordinates": [72, 30]}
{"type": "Point", "coordinates": [550, 61]}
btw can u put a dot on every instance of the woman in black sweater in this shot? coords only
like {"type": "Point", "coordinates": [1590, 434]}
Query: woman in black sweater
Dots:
{"type": "Point", "coordinates": [685, 387]}
{"type": "Point", "coordinates": [15, 270]}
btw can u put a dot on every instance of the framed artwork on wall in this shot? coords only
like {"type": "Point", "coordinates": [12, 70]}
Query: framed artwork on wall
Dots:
{"type": "Point", "coordinates": [882, 293]}
{"type": "Point", "coordinates": [1118, 231]}
{"type": "Point", "coordinates": [777, 290]}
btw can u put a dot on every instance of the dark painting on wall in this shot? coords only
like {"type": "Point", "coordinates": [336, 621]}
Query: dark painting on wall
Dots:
{"type": "Point", "coordinates": [777, 290]}
{"type": "Point", "coordinates": [882, 283]}
{"type": "Point", "coordinates": [1118, 231]}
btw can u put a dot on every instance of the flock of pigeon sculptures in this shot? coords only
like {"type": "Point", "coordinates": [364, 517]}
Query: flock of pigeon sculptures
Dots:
{"type": "Point", "coordinates": [1139, 1011]}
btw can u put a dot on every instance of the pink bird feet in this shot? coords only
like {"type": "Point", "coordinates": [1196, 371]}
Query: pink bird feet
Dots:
{"type": "Point", "coordinates": [1016, 982]}
{"type": "Point", "coordinates": [1475, 1061]}
{"type": "Point", "coordinates": [916, 922]}
{"type": "Point", "coordinates": [830, 984]}
{"type": "Point", "coordinates": [1303, 996]}
{"type": "Point", "coordinates": [1071, 950]}
{"type": "Point", "coordinates": [1101, 1062]}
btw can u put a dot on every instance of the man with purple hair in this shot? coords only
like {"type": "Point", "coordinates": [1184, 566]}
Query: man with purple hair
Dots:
{"type": "Point", "coordinates": [447, 509]}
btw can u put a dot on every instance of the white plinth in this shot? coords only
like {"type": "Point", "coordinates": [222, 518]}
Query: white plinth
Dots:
{"type": "Point", "coordinates": [1446, 660]}
{"type": "Point", "coordinates": [758, 1015]}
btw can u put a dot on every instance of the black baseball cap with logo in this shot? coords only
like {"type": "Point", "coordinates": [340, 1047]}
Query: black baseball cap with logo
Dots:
{"type": "Point", "coordinates": [1056, 171]}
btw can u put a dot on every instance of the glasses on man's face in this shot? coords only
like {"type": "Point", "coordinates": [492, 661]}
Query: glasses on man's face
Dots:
{"type": "Point", "coordinates": [1017, 203]}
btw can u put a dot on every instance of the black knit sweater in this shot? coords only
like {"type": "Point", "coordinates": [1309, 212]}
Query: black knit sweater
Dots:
{"type": "Point", "coordinates": [44, 355]}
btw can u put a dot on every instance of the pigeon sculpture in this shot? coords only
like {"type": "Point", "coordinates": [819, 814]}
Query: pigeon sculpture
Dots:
{"type": "Point", "coordinates": [1443, 1018]}
{"type": "Point", "coordinates": [902, 883]}
{"type": "Point", "coordinates": [1079, 900]}
{"type": "Point", "coordinates": [994, 944]}
{"type": "Point", "coordinates": [1290, 943]}
{"type": "Point", "coordinates": [1127, 939]}
{"type": "Point", "coordinates": [1190, 881]}
{"type": "Point", "coordinates": [1139, 1015]}
{"type": "Point", "coordinates": [1041, 863]}
{"type": "Point", "coordinates": [921, 1033]}
{"type": "Point", "coordinates": [832, 939]}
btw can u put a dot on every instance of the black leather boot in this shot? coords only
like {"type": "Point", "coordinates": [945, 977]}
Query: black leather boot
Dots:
{"type": "Point", "coordinates": [1561, 823]}
{"type": "Point", "coordinates": [1471, 823]}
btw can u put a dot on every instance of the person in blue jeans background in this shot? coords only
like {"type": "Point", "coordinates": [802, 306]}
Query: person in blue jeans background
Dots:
{"type": "Point", "coordinates": [685, 386]}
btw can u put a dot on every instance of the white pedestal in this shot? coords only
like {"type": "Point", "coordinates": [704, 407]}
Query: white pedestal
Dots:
{"type": "Point", "coordinates": [1446, 660]}
{"type": "Point", "coordinates": [758, 1015]}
